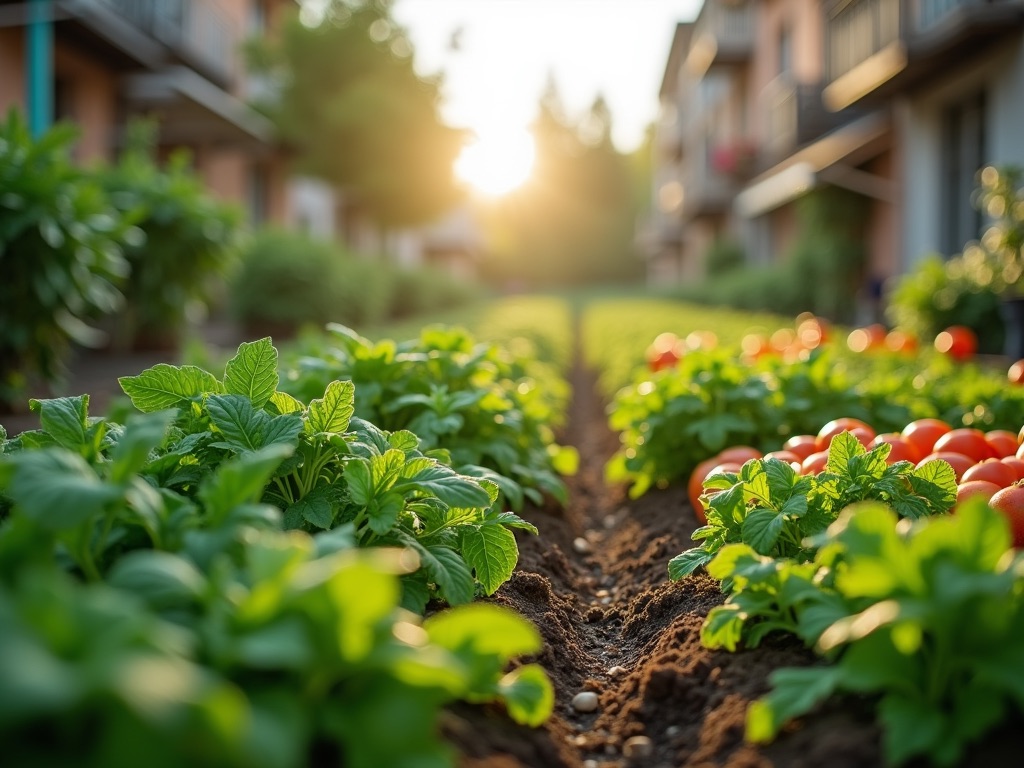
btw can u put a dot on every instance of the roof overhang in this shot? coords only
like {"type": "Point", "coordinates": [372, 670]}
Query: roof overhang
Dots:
{"type": "Point", "coordinates": [832, 159]}
{"type": "Point", "coordinates": [191, 109]}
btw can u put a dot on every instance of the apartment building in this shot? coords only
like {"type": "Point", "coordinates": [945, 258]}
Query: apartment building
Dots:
{"type": "Point", "coordinates": [100, 63]}
{"type": "Point", "coordinates": [898, 101]}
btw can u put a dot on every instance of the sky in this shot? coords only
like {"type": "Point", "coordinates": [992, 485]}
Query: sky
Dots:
{"type": "Point", "coordinates": [506, 49]}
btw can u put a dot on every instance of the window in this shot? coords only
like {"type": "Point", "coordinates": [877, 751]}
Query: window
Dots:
{"type": "Point", "coordinates": [785, 49]}
{"type": "Point", "coordinates": [963, 155]}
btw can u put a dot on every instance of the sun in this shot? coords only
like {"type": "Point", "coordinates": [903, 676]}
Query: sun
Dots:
{"type": "Point", "coordinates": [497, 161]}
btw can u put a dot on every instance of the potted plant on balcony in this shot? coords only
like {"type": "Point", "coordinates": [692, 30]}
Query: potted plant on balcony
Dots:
{"type": "Point", "coordinates": [735, 157]}
{"type": "Point", "coordinates": [1000, 252]}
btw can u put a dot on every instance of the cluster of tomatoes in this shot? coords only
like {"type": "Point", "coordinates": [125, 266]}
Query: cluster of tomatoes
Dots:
{"type": "Point", "coordinates": [987, 464]}
{"type": "Point", "coordinates": [667, 349]}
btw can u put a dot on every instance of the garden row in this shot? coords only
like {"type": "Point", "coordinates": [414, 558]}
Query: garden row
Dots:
{"type": "Point", "coordinates": [850, 550]}
{"type": "Point", "coordinates": [235, 572]}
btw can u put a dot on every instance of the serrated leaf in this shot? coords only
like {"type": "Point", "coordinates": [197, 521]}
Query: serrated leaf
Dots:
{"type": "Point", "coordinates": [359, 481]}
{"type": "Point", "coordinates": [241, 480]}
{"type": "Point", "coordinates": [446, 484]}
{"type": "Point", "coordinates": [843, 448]}
{"type": "Point", "coordinates": [142, 435]}
{"type": "Point", "coordinates": [246, 429]}
{"type": "Point", "coordinates": [689, 561]}
{"type": "Point", "coordinates": [511, 520]}
{"type": "Point", "coordinates": [168, 386]}
{"type": "Point", "coordinates": [332, 412]}
{"type": "Point", "coordinates": [386, 468]}
{"type": "Point", "coordinates": [384, 510]}
{"type": "Point", "coordinates": [65, 419]}
{"type": "Point", "coordinates": [491, 551]}
{"type": "Point", "coordinates": [529, 695]}
{"type": "Point", "coordinates": [315, 508]}
{"type": "Point", "coordinates": [762, 528]}
{"type": "Point", "coordinates": [404, 440]}
{"type": "Point", "coordinates": [446, 568]}
{"type": "Point", "coordinates": [252, 372]}
{"type": "Point", "coordinates": [282, 403]}
{"type": "Point", "coordinates": [723, 628]}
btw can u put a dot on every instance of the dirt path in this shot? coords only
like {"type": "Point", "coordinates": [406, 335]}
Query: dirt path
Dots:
{"type": "Point", "coordinates": [594, 582]}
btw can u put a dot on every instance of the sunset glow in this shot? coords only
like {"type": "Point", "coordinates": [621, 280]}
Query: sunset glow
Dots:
{"type": "Point", "coordinates": [497, 161]}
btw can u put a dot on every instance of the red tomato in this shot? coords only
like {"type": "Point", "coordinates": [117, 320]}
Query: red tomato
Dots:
{"type": "Point", "coordinates": [902, 449]}
{"type": "Point", "coordinates": [788, 456]}
{"type": "Point", "coordinates": [802, 445]}
{"type": "Point", "coordinates": [1010, 501]}
{"type": "Point", "coordinates": [665, 351]}
{"type": "Point", "coordinates": [1017, 465]}
{"type": "Point", "coordinates": [924, 432]}
{"type": "Point", "coordinates": [992, 470]}
{"type": "Point", "coordinates": [1020, 452]}
{"type": "Point", "coordinates": [814, 463]}
{"type": "Point", "coordinates": [957, 341]}
{"type": "Point", "coordinates": [868, 338]}
{"type": "Point", "coordinates": [1002, 441]}
{"type": "Point", "coordinates": [834, 427]}
{"type": "Point", "coordinates": [966, 440]}
{"type": "Point", "coordinates": [696, 486]}
{"type": "Point", "coordinates": [957, 461]}
{"type": "Point", "coordinates": [812, 332]}
{"type": "Point", "coordinates": [970, 488]}
{"type": "Point", "coordinates": [899, 341]}
{"type": "Point", "coordinates": [740, 454]}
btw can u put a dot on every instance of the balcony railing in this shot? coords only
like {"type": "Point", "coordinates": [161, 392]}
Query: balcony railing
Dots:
{"type": "Point", "coordinates": [858, 30]}
{"type": "Point", "coordinates": [795, 115]}
{"type": "Point", "coordinates": [196, 31]}
{"type": "Point", "coordinates": [723, 33]}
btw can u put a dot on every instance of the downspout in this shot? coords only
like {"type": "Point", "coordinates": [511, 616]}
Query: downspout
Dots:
{"type": "Point", "coordinates": [39, 66]}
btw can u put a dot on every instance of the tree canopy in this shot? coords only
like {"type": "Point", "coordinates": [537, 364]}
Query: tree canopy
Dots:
{"type": "Point", "coordinates": [356, 113]}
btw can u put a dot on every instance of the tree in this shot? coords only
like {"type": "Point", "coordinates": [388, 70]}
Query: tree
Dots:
{"type": "Point", "coordinates": [357, 114]}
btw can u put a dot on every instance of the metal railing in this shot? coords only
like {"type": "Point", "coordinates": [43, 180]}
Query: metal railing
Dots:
{"type": "Point", "coordinates": [859, 29]}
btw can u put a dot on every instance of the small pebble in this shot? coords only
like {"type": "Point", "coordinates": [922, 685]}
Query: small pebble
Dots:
{"type": "Point", "coordinates": [581, 545]}
{"type": "Point", "coordinates": [585, 701]}
{"type": "Point", "coordinates": [605, 600]}
{"type": "Point", "coordinates": [617, 671]}
{"type": "Point", "coordinates": [610, 521]}
{"type": "Point", "coordinates": [672, 730]}
{"type": "Point", "coordinates": [601, 593]}
{"type": "Point", "coordinates": [590, 764]}
{"type": "Point", "coordinates": [637, 747]}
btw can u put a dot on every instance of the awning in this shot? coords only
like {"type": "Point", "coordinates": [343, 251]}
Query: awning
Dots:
{"type": "Point", "coordinates": [191, 109]}
{"type": "Point", "coordinates": [829, 160]}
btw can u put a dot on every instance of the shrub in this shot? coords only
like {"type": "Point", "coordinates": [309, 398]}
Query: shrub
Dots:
{"type": "Point", "coordinates": [60, 255]}
{"type": "Point", "coordinates": [190, 238]}
{"type": "Point", "coordinates": [937, 294]}
{"type": "Point", "coordinates": [287, 280]}
{"type": "Point", "coordinates": [418, 291]}
{"type": "Point", "coordinates": [724, 256]}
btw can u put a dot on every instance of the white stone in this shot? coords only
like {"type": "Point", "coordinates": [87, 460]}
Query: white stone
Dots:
{"type": "Point", "coordinates": [585, 701]}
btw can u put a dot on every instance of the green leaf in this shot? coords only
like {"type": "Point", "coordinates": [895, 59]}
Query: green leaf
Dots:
{"type": "Point", "coordinates": [142, 435]}
{"type": "Point", "coordinates": [528, 694]}
{"type": "Point", "coordinates": [484, 629]}
{"type": "Point", "coordinates": [359, 481]}
{"type": "Point", "coordinates": [162, 579]}
{"type": "Point", "coordinates": [246, 429]}
{"type": "Point", "coordinates": [252, 372]}
{"type": "Point", "coordinates": [842, 450]}
{"type": "Point", "coordinates": [446, 568]}
{"type": "Point", "coordinates": [723, 627]}
{"type": "Point", "coordinates": [762, 528]}
{"type": "Point", "coordinates": [491, 551]}
{"type": "Point", "coordinates": [384, 510]}
{"type": "Point", "coordinates": [911, 727]}
{"type": "Point", "coordinates": [794, 692]}
{"type": "Point", "coordinates": [315, 508]}
{"type": "Point", "coordinates": [65, 419]}
{"type": "Point", "coordinates": [453, 489]}
{"type": "Point", "coordinates": [241, 480]}
{"type": "Point", "coordinates": [282, 403]}
{"type": "Point", "coordinates": [56, 488]}
{"type": "Point", "coordinates": [168, 386]}
{"type": "Point", "coordinates": [332, 412]}
{"type": "Point", "coordinates": [689, 561]}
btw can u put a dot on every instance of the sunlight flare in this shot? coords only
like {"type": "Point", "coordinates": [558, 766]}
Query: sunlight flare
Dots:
{"type": "Point", "coordinates": [497, 161]}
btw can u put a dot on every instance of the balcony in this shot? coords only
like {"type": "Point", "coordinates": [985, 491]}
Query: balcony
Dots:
{"type": "Point", "coordinates": [795, 115]}
{"type": "Point", "coordinates": [877, 47]}
{"type": "Point", "coordinates": [723, 35]}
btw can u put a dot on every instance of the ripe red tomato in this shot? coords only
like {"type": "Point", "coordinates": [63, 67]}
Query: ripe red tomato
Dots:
{"type": "Point", "coordinates": [696, 486]}
{"type": "Point", "coordinates": [966, 440]}
{"type": "Point", "coordinates": [868, 338]}
{"type": "Point", "coordinates": [900, 341]}
{"type": "Point", "coordinates": [1017, 465]}
{"type": "Point", "coordinates": [814, 463]}
{"type": "Point", "coordinates": [834, 427]}
{"type": "Point", "coordinates": [970, 488]}
{"type": "Point", "coordinates": [1015, 374]}
{"type": "Point", "coordinates": [788, 456]}
{"type": "Point", "coordinates": [992, 470]}
{"type": "Point", "coordinates": [1010, 501]}
{"type": "Point", "coordinates": [902, 449]}
{"type": "Point", "coordinates": [924, 432]}
{"type": "Point", "coordinates": [1002, 441]}
{"type": "Point", "coordinates": [957, 341]}
{"type": "Point", "coordinates": [957, 461]}
{"type": "Point", "coordinates": [802, 445]}
{"type": "Point", "coordinates": [740, 454]}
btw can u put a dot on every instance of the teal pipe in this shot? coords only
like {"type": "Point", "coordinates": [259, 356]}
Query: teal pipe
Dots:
{"type": "Point", "coordinates": [39, 66]}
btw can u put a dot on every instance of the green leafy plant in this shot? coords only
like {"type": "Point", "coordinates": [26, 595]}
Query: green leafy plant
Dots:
{"type": "Point", "coordinates": [477, 403]}
{"type": "Point", "coordinates": [61, 255]}
{"type": "Point", "coordinates": [777, 512]}
{"type": "Point", "coordinates": [937, 639]}
{"type": "Point", "coordinates": [189, 242]}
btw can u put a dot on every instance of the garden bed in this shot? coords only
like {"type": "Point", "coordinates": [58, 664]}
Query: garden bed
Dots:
{"type": "Point", "coordinates": [614, 624]}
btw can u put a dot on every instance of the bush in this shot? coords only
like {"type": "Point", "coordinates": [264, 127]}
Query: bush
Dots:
{"type": "Point", "coordinates": [724, 256]}
{"type": "Point", "coordinates": [60, 255]}
{"type": "Point", "coordinates": [287, 280]}
{"type": "Point", "coordinates": [770, 288]}
{"type": "Point", "coordinates": [190, 238]}
{"type": "Point", "coordinates": [418, 291]}
{"type": "Point", "coordinates": [939, 293]}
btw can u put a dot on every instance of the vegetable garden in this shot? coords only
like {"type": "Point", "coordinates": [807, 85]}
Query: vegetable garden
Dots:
{"type": "Point", "coordinates": [606, 532]}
